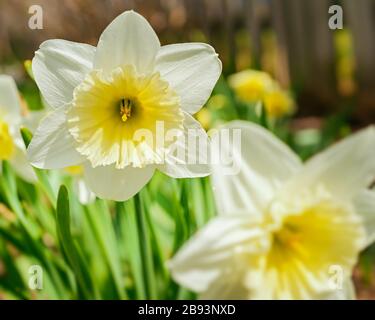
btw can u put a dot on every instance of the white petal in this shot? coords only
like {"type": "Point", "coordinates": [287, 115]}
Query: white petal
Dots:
{"type": "Point", "coordinates": [344, 169]}
{"type": "Point", "coordinates": [365, 206]}
{"type": "Point", "coordinates": [117, 184]}
{"type": "Point", "coordinates": [33, 119]}
{"type": "Point", "coordinates": [10, 108]}
{"type": "Point", "coordinates": [191, 152]}
{"type": "Point", "coordinates": [228, 288]}
{"type": "Point", "coordinates": [192, 69]}
{"type": "Point", "coordinates": [210, 255]}
{"type": "Point", "coordinates": [347, 292]}
{"type": "Point", "coordinates": [21, 165]}
{"type": "Point", "coordinates": [85, 195]}
{"type": "Point", "coordinates": [59, 66]}
{"type": "Point", "coordinates": [52, 146]}
{"type": "Point", "coordinates": [250, 166]}
{"type": "Point", "coordinates": [129, 39]}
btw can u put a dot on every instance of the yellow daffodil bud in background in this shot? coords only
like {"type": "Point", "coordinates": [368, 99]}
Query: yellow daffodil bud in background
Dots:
{"type": "Point", "coordinates": [286, 229]}
{"type": "Point", "coordinates": [204, 116]}
{"type": "Point", "coordinates": [6, 142]}
{"type": "Point", "coordinates": [218, 102]}
{"type": "Point", "coordinates": [251, 85]}
{"type": "Point", "coordinates": [256, 86]}
{"type": "Point", "coordinates": [28, 67]}
{"type": "Point", "coordinates": [217, 108]}
{"type": "Point", "coordinates": [278, 103]}
{"type": "Point", "coordinates": [128, 83]}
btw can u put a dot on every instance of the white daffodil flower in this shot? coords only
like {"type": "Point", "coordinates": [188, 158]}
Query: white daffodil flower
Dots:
{"type": "Point", "coordinates": [12, 147]}
{"type": "Point", "coordinates": [286, 230]}
{"type": "Point", "coordinates": [104, 96]}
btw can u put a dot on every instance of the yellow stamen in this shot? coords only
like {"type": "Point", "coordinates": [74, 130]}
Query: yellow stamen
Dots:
{"type": "Point", "coordinates": [126, 109]}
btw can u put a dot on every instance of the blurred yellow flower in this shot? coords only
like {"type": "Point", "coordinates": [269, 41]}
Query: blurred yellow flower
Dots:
{"type": "Point", "coordinates": [257, 86]}
{"type": "Point", "coordinates": [205, 118]}
{"type": "Point", "coordinates": [28, 67]}
{"type": "Point", "coordinates": [12, 148]}
{"type": "Point", "coordinates": [285, 230]}
{"type": "Point", "coordinates": [6, 142]}
{"type": "Point", "coordinates": [209, 115]}
{"type": "Point", "coordinates": [217, 102]}
{"type": "Point", "coordinates": [278, 103]}
{"type": "Point", "coordinates": [345, 64]}
{"type": "Point", "coordinates": [251, 85]}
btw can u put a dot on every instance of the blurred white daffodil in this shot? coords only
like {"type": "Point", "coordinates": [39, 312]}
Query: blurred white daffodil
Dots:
{"type": "Point", "coordinates": [12, 147]}
{"type": "Point", "coordinates": [286, 230]}
{"type": "Point", "coordinates": [103, 96]}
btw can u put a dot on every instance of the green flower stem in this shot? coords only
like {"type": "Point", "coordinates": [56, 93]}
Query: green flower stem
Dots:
{"type": "Point", "coordinates": [181, 232]}
{"type": "Point", "coordinates": [155, 241]}
{"type": "Point", "coordinates": [87, 287]}
{"type": "Point", "coordinates": [105, 237]}
{"type": "Point", "coordinates": [9, 188]}
{"type": "Point", "coordinates": [145, 246]}
{"type": "Point", "coordinates": [209, 198]}
{"type": "Point", "coordinates": [127, 215]}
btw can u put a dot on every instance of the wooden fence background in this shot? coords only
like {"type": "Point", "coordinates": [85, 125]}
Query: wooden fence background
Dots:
{"type": "Point", "coordinates": [305, 55]}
